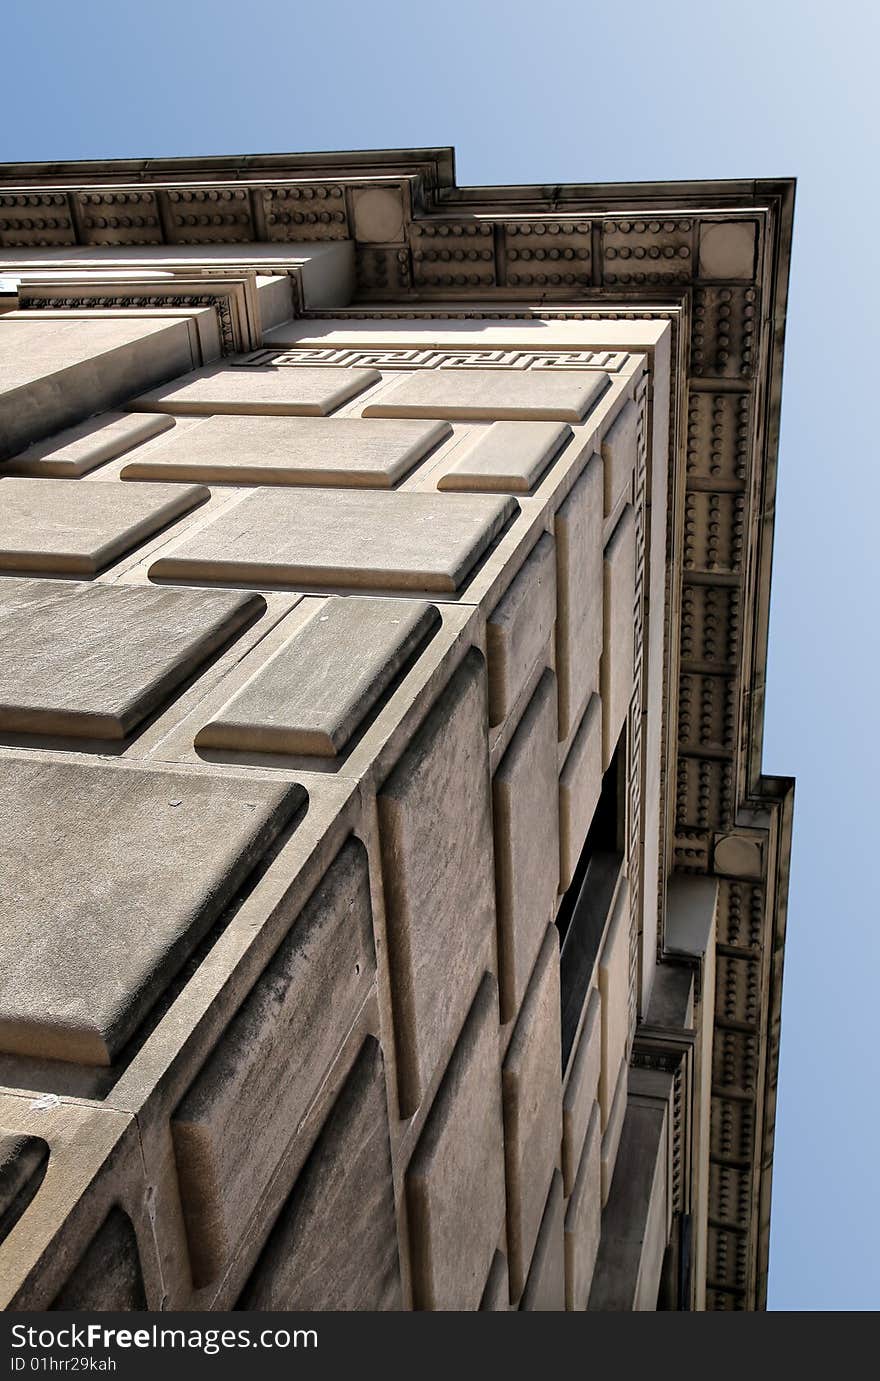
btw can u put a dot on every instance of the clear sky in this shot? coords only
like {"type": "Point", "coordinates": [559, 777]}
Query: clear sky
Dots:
{"type": "Point", "coordinates": [577, 91]}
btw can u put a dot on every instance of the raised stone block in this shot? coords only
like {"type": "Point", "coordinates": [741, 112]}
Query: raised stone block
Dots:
{"type": "Point", "coordinates": [519, 628]}
{"type": "Point", "coordinates": [619, 451]}
{"type": "Point", "coordinates": [545, 1288]}
{"type": "Point", "coordinates": [348, 451]}
{"type": "Point", "coordinates": [334, 1244]}
{"type": "Point", "coordinates": [435, 825]}
{"type": "Point", "coordinates": [614, 991]}
{"type": "Point", "coordinates": [579, 593]}
{"type": "Point", "coordinates": [23, 1162]}
{"type": "Point", "coordinates": [478, 395]}
{"type": "Point", "coordinates": [455, 1180]}
{"type": "Point", "coordinates": [580, 785]}
{"type": "Point", "coordinates": [78, 527]}
{"type": "Point", "coordinates": [619, 638]}
{"type": "Point", "coordinates": [108, 1276]}
{"type": "Point", "coordinates": [311, 391]}
{"type": "Point", "coordinates": [305, 1001]}
{"type": "Point", "coordinates": [525, 796]}
{"type": "Point", "coordinates": [79, 449]}
{"type": "Point", "coordinates": [507, 457]}
{"type": "Point", "coordinates": [532, 1093]}
{"type": "Point", "coordinates": [581, 1090]}
{"type": "Point", "coordinates": [55, 372]}
{"type": "Point", "coordinates": [107, 893]}
{"type": "Point", "coordinates": [635, 1222]}
{"type": "Point", "coordinates": [95, 660]}
{"type": "Point", "coordinates": [613, 1129]}
{"type": "Point", "coordinates": [321, 685]}
{"type": "Point", "coordinates": [496, 1296]}
{"type": "Point", "coordinates": [583, 1221]}
{"type": "Point", "coordinates": [341, 538]}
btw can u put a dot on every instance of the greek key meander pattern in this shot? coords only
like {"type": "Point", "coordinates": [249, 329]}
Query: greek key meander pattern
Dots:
{"type": "Point", "coordinates": [608, 360]}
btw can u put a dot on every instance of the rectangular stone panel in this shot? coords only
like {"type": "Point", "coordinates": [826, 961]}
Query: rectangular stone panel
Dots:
{"type": "Point", "coordinates": [532, 1093]}
{"type": "Point", "coordinates": [108, 892]}
{"type": "Point", "coordinates": [338, 537]}
{"type": "Point", "coordinates": [455, 1180]}
{"type": "Point", "coordinates": [580, 785]}
{"type": "Point", "coordinates": [305, 1003]}
{"type": "Point", "coordinates": [351, 452]}
{"type": "Point", "coordinates": [435, 826]}
{"type": "Point", "coordinates": [79, 449]}
{"type": "Point", "coordinates": [582, 1090]}
{"type": "Point", "coordinates": [583, 1221]}
{"type": "Point", "coordinates": [526, 804]}
{"type": "Point", "coordinates": [320, 686]}
{"type": "Point", "coordinates": [75, 527]}
{"type": "Point", "coordinates": [95, 660]}
{"type": "Point", "coordinates": [614, 992]}
{"type": "Point", "coordinates": [619, 445]}
{"type": "Point", "coordinates": [334, 1244]}
{"type": "Point", "coordinates": [507, 457]}
{"type": "Point", "coordinates": [613, 1129]}
{"type": "Point", "coordinates": [619, 637]}
{"type": "Point", "coordinates": [477, 395]}
{"type": "Point", "coordinates": [519, 628]}
{"type": "Point", "coordinates": [545, 1288]}
{"type": "Point", "coordinates": [108, 1276]}
{"type": "Point", "coordinates": [23, 1162]}
{"type": "Point", "coordinates": [222, 389]}
{"type": "Point", "coordinates": [55, 372]}
{"type": "Point", "coordinates": [579, 594]}
{"type": "Point", "coordinates": [496, 1296]}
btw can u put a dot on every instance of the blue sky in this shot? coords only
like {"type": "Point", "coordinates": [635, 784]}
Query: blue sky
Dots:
{"type": "Point", "coordinates": [575, 91]}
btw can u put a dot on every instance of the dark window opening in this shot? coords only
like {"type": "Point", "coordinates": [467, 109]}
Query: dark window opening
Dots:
{"type": "Point", "coordinates": [584, 908]}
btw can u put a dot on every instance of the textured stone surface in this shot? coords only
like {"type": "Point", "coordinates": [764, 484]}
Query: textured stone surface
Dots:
{"type": "Point", "coordinates": [487, 394]}
{"type": "Point", "coordinates": [348, 451]}
{"type": "Point", "coordinates": [496, 1296]}
{"type": "Point", "coordinates": [579, 593]}
{"type": "Point", "coordinates": [581, 1090]}
{"type": "Point", "coordinates": [519, 628]}
{"type": "Point", "coordinates": [334, 1244]}
{"type": "Point", "coordinates": [305, 1001]}
{"type": "Point", "coordinates": [55, 372]}
{"type": "Point", "coordinates": [619, 455]}
{"type": "Point", "coordinates": [506, 457]}
{"type": "Point", "coordinates": [545, 1287]}
{"type": "Point", "coordinates": [108, 1275]}
{"type": "Point", "coordinates": [532, 1093]}
{"type": "Point", "coordinates": [23, 1162]}
{"type": "Point", "coordinates": [630, 1260]}
{"type": "Point", "coordinates": [80, 449]}
{"type": "Point", "coordinates": [335, 537]}
{"type": "Point", "coordinates": [455, 1180]}
{"type": "Point", "coordinates": [221, 389]}
{"type": "Point", "coordinates": [107, 893]}
{"type": "Point", "coordinates": [312, 696]}
{"type": "Point", "coordinates": [618, 646]}
{"type": "Point", "coordinates": [436, 838]}
{"type": "Point", "coordinates": [580, 784]}
{"type": "Point", "coordinates": [583, 1221]}
{"type": "Point", "coordinates": [78, 527]}
{"type": "Point", "coordinates": [613, 1129]}
{"type": "Point", "coordinates": [525, 796]}
{"type": "Point", "coordinates": [614, 992]}
{"type": "Point", "coordinates": [95, 660]}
